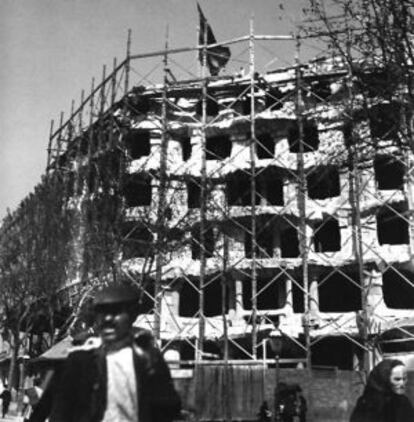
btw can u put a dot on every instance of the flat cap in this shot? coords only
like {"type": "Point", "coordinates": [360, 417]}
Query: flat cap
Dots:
{"type": "Point", "coordinates": [116, 294]}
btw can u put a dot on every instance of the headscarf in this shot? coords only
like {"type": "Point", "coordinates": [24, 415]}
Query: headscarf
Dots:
{"type": "Point", "coordinates": [378, 403]}
{"type": "Point", "coordinates": [379, 378]}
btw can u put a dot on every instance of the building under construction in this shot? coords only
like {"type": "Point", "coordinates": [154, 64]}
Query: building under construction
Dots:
{"type": "Point", "coordinates": [247, 207]}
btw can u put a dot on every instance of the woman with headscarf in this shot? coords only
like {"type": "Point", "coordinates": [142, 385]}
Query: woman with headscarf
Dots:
{"type": "Point", "coordinates": [384, 399]}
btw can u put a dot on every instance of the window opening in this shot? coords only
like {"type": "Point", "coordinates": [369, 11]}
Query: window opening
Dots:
{"type": "Point", "coordinates": [213, 298]}
{"type": "Point", "coordinates": [138, 143]}
{"type": "Point", "coordinates": [186, 148]}
{"type": "Point", "coordinates": [212, 107]}
{"type": "Point", "coordinates": [310, 136]}
{"type": "Point", "coordinates": [194, 194]}
{"type": "Point", "coordinates": [392, 227]}
{"type": "Point", "coordinates": [239, 190]}
{"type": "Point", "coordinates": [274, 98]}
{"type": "Point", "coordinates": [389, 172]}
{"type": "Point", "coordinates": [137, 192]}
{"type": "Point", "coordinates": [209, 243]}
{"type": "Point", "coordinates": [265, 146]}
{"type": "Point", "coordinates": [189, 299]}
{"type": "Point", "coordinates": [323, 182]}
{"type": "Point", "coordinates": [397, 289]}
{"type": "Point", "coordinates": [137, 241]}
{"type": "Point", "coordinates": [218, 147]}
{"type": "Point", "coordinates": [270, 187]}
{"type": "Point", "coordinates": [264, 242]}
{"type": "Point", "coordinates": [337, 293]}
{"type": "Point", "coordinates": [289, 243]}
{"type": "Point", "coordinates": [384, 121]}
{"type": "Point", "coordinates": [327, 236]}
{"type": "Point", "coordinates": [272, 297]}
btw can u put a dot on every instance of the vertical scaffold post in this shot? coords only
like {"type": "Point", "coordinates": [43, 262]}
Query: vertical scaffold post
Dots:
{"type": "Point", "coordinates": [91, 131]}
{"type": "Point", "coordinates": [252, 150]}
{"type": "Point", "coordinates": [354, 197]}
{"type": "Point", "coordinates": [59, 141]}
{"type": "Point", "coordinates": [203, 200]}
{"type": "Point", "coordinates": [49, 147]}
{"type": "Point", "coordinates": [303, 246]}
{"type": "Point", "coordinates": [162, 186]}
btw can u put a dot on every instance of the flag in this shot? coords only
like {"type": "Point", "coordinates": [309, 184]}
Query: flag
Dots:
{"type": "Point", "coordinates": [216, 57]}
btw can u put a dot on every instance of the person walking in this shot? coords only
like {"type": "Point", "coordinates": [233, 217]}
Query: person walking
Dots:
{"type": "Point", "coordinates": [120, 376]}
{"type": "Point", "coordinates": [384, 399]}
{"type": "Point", "coordinates": [5, 397]}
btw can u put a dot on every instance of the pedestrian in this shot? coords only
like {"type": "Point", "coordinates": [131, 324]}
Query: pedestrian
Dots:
{"type": "Point", "coordinates": [265, 415]}
{"type": "Point", "coordinates": [5, 397]}
{"type": "Point", "coordinates": [384, 399]}
{"type": "Point", "coordinates": [294, 405]}
{"type": "Point", "coordinates": [31, 398]}
{"type": "Point", "coordinates": [122, 376]}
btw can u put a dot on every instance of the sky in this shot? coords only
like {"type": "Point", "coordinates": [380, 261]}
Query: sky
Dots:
{"type": "Point", "coordinates": [51, 49]}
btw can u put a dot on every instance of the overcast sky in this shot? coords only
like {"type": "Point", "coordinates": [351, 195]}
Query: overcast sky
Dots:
{"type": "Point", "coordinates": [50, 50]}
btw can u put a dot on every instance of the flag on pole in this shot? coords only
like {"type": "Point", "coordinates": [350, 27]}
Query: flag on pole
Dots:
{"type": "Point", "coordinates": [216, 57]}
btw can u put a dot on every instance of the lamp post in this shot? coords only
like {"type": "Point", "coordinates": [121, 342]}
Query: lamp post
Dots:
{"type": "Point", "coordinates": [276, 343]}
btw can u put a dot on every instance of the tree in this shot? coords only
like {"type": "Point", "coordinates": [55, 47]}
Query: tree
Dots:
{"type": "Point", "coordinates": [374, 38]}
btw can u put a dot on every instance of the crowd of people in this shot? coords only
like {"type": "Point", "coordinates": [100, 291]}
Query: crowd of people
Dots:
{"type": "Point", "coordinates": [94, 384]}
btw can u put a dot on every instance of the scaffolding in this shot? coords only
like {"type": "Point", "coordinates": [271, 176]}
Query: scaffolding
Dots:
{"type": "Point", "coordinates": [246, 206]}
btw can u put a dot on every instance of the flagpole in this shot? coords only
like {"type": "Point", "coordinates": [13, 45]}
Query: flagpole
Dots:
{"type": "Point", "coordinates": [197, 52]}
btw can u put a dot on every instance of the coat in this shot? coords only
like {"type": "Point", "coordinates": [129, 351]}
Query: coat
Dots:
{"type": "Point", "coordinates": [378, 403]}
{"type": "Point", "coordinates": [77, 393]}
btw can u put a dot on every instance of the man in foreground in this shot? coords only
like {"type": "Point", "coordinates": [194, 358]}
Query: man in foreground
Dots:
{"type": "Point", "coordinates": [120, 377]}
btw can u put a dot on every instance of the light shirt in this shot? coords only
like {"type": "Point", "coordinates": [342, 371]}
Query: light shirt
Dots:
{"type": "Point", "coordinates": [122, 401]}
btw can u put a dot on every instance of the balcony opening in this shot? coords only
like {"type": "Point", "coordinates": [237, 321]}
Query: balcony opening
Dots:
{"type": "Point", "coordinates": [274, 97]}
{"type": "Point", "coordinates": [384, 120]}
{"type": "Point", "coordinates": [218, 147]}
{"type": "Point", "coordinates": [265, 146]}
{"type": "Point", "coordinates": [310, 137]}
{"type": "Point", "coordinates": [320, 90]}
{"type": "Point", "coordinates": [289, 243]}
{"type": "Point", "coordinates": [389, 172]}
{"type": "Point", "coordinates": [339, 292]}
{"type": "Point", "coordinates": [271, 293]}
{"type": "Point", "coordinates": [138, 143]}
{"type": "Point", "coordinates": [398, 289]}
{"type": "Point", "coordinates": [213, 295]}
{"type": "Point", "coordinates": [212, 107]}
{"type": "Point", "coordinates": [186, 148]}
{"type": "Point", "coordinates": [243, 105]}
{"type": "Point", "coordinates": [376, 83]}
{"type": "Point", "coordinates": [392, 225]}
{"type": "Point", "coordinates": [137, 241]}
{"type": "Point", "coordinates": [239, 190]}
{"type": "Point", "coordinates": [327, 237]}
{"type": "Point", "coordinates": [298, 296]}
{"type": "Point", "coordinates": [189, 299]}
{"type": "Point", "coordinates": [137, 192]}
{"type": "Point", "coordinates": [263, 244]}
{"type": "Point", "coordinates": [333, 351]}
{"type": "Point", "coordinates": [323, 182]}
{"type": "Point", "coordinates": [194, 194]}
{"type": "Point", "coordinates": [269, 186]}
{"type": "Point", "coordinates": [146, 295]}
{"type": "Point", "coordinates": [208, 246]}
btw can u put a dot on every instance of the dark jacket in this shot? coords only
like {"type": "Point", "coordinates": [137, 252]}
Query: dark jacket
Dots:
{"type": "Point", "coordinates": [378, 403]}
{"type": "Point", "coordinates": [78, 392]}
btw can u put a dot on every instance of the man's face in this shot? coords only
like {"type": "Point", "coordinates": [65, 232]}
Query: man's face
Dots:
{"type": "Point", "coordinates": [398, 379]}
{"type": "Point", "coordinates": [114, 324]}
